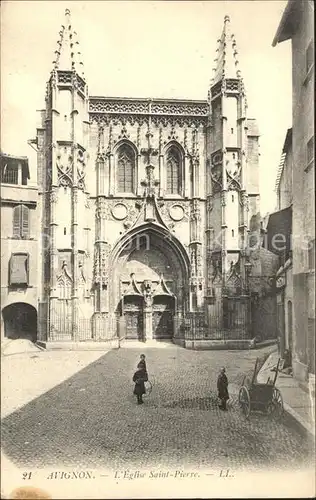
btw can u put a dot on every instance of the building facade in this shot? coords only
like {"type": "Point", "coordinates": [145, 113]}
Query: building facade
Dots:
{"type": "Point", "coordinates": [19, 249]}
{"type": "Point", "coordinates": [147, 208]}
{"type": "Point", "coordinates": [280, 235]}
{"type": "Point", "coordinates": [297, 24]}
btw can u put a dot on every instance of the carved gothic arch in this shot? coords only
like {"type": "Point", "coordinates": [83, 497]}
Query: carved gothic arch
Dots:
{"type": "Point", "coordinates": [118, 146]}
{"type": "Point", "coordinates": [177, 146]}
{"type": "Point", "coordinates": [171, 243]}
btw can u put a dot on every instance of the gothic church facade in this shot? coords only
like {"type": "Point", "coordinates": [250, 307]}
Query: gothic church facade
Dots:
{"type": "Point", "coordinates": [145, 208]}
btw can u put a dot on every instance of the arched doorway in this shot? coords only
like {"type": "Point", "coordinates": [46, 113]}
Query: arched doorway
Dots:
{"type": "Point", "coordinates": [149, 275]}
{"type": "Point", "coordinates": [20, 321]}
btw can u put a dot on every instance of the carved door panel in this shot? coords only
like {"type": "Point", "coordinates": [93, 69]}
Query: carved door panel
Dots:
{"type": "Point", "coordinates": [162, 324]}
{"type": "Point", "coordinates": [133, 315]}
{"type": "Point", "coordinates": [134, 324]}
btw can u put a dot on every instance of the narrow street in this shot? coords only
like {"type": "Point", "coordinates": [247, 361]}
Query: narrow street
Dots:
{"type": "Point", "coordinates": [91, 419]}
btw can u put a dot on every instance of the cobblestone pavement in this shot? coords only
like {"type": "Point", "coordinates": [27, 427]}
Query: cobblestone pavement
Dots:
{"type": "Point", "coordinates": [92, 420]}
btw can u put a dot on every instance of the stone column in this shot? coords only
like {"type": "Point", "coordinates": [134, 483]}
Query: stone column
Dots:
{"type": "Point", "coordinates": [148, 323]}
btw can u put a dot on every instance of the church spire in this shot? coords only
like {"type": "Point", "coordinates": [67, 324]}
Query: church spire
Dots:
{"type": "Point", "coordinates": [68, 56]}
{"type": "Point", "coordinates": [226, 56]}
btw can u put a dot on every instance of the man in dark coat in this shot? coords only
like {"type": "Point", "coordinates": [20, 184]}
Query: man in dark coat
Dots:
{"type": "Point", "coordinates": [222, 387]}
{"type": "Point", "coordinates": [140, 377]}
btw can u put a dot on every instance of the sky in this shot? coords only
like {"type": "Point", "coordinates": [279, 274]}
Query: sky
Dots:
{"type": "Point", "coordinates": [147, 49]}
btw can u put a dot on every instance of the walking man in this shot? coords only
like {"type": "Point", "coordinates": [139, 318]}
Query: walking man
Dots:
{"type": "Point", "coordinates": [222, 387]}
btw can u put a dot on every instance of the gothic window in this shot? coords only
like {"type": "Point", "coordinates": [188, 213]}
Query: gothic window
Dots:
{"type": "Point", "coordinates": [125, 169]}
{"type": "Point", "coordinates": [21, 222]}
{"type": "Point", "coordinates": [174, 171]}
{"type": "Point", "coordinates": [19, 269]}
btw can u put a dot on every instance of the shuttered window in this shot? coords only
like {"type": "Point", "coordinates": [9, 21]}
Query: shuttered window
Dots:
{"type": "Point", "coordinates": [125, 169]}
{"type": "Point", "coordinates": [173, 171]}
{"type": "Point", "coordinates": [21, 222]}
{"type": "Point", "coordinates": [19, 269]}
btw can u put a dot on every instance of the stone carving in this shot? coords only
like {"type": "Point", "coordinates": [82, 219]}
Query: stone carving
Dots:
{"type": "Point", "coordinates": [185, 140]}
{"type": "Point", "coordinates": [217, 178]}
{"type": "Point", "coordinates": [81, 167]}
{"type": "Point", "coordinates": [118, 106]}
{"type": "Point", "coordinates": [100, 267]}
{"type": "Point", "coordinates": [176, 212]}
{"type": "Point", "coordinates": [138, 138]}
{"type": "Point", "coordinates": [166, 206]}
{"type": "Point", "coordinates": [179, 108]}
{"type": "Point", "coordinates": [134, 106]}
{"type": "Point", "coordinates": [82, 278]}
{"type": "Point", "coordinates": [209, 203]}
{"type": "Point", "coordinates": [64, 162]}
{"type": "Point", "coordinates": [216, 89]}
{"type": "Point", "coordinates": [87, 201]}
{"type": "Point", "coordinates": [232, 85]}
{"type": "Point", "coordinates": [148, 293]}
{"type": "Point", "coordinates": [216, 265]}
{"type": "Point", "coordinates": [64, 279]}
{"type": "Point", "coordinates": [172, 136]}
{"type": "Point", "coordinates": [81, 84]}
{"type": "Point", "coordinates": [195, 214]}
{"type": "Point", "coordinates": [233, 179]}
{"type": "Point", "coordinates": [119, 211]}
{"type": "Point", "coordinates": [101, 211]}
{"type": "Point", "coordinates": [65, 77]}
{"type": "Point", "coordinates": [123, 134]}
{"type": "Point", "coordinates": [54, 196]}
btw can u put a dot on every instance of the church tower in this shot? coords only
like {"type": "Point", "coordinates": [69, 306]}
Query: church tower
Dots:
{"type": "Point", "coordinates": [62, 142]}
{"type": "Point", "coordinates": [232, 182]}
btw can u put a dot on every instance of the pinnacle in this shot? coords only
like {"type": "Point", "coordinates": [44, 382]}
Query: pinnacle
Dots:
{"type": "Point", "coordinates": [68, 55]}
{"type": "Point", "coordinates": [226, 61]}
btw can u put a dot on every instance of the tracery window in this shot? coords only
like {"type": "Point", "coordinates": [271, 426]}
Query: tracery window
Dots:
{"type": "Point", "coordinates": [174, 171]}
{"type": "Point", "coordinates": [126, 169]}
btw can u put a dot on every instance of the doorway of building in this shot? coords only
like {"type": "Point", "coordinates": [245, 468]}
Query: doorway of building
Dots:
{"type": "Point", "coordinates": [163, 313]}
{"type": "Point", "coordinates": [20, 321]}
{"type": "Point", "coordinates": [133, 317]}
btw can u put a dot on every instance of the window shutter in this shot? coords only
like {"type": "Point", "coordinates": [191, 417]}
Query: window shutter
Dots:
{"type": "Point", "coordinates": [25, 221]}
{"type": "Point", "coordinates": [19, 269]}
{"type": "Point", "coordinates": [16, 221]}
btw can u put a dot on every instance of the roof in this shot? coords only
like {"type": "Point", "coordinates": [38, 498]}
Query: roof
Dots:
{"type": "Point", "coordinates": [226, 59]}
{"type": "Point", "coordinates": [68, 55]}
{"type": "Point", "coordinates": [286, 146]}
{"type": "Point", "coordinates": [288, 23]}
{"type": "Point", "coordinates": [280, 224]}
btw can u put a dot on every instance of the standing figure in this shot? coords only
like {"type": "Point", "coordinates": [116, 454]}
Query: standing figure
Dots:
{"type": "Point", "coordinates": [142, 362]}
{"type": "Point", "coordinates": [222, 387]}
{"type": "Point", "coordinates": [140, 377]}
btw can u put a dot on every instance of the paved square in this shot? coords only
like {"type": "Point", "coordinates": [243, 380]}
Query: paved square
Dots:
{"type": "Point", "coordinates": [92, 420]}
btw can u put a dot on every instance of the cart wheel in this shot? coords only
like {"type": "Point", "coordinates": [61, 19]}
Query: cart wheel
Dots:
{"type": "Point", "coordinates": [244, 401]}
{"type": "Point", "coordinates": [276, 405]}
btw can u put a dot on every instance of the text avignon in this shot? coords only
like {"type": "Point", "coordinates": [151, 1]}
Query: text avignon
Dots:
{"type": "Point", "coordinates": [71, 475]}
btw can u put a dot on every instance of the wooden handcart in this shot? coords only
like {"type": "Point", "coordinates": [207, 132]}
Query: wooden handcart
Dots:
{"type": "Point", "coordinates": [261, 397]}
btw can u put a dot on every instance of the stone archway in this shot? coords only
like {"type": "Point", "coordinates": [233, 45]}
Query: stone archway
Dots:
{"type": "Point", "coordinates": [149, 276]}
{"type": "Point", "coordinates": [20, 321]}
